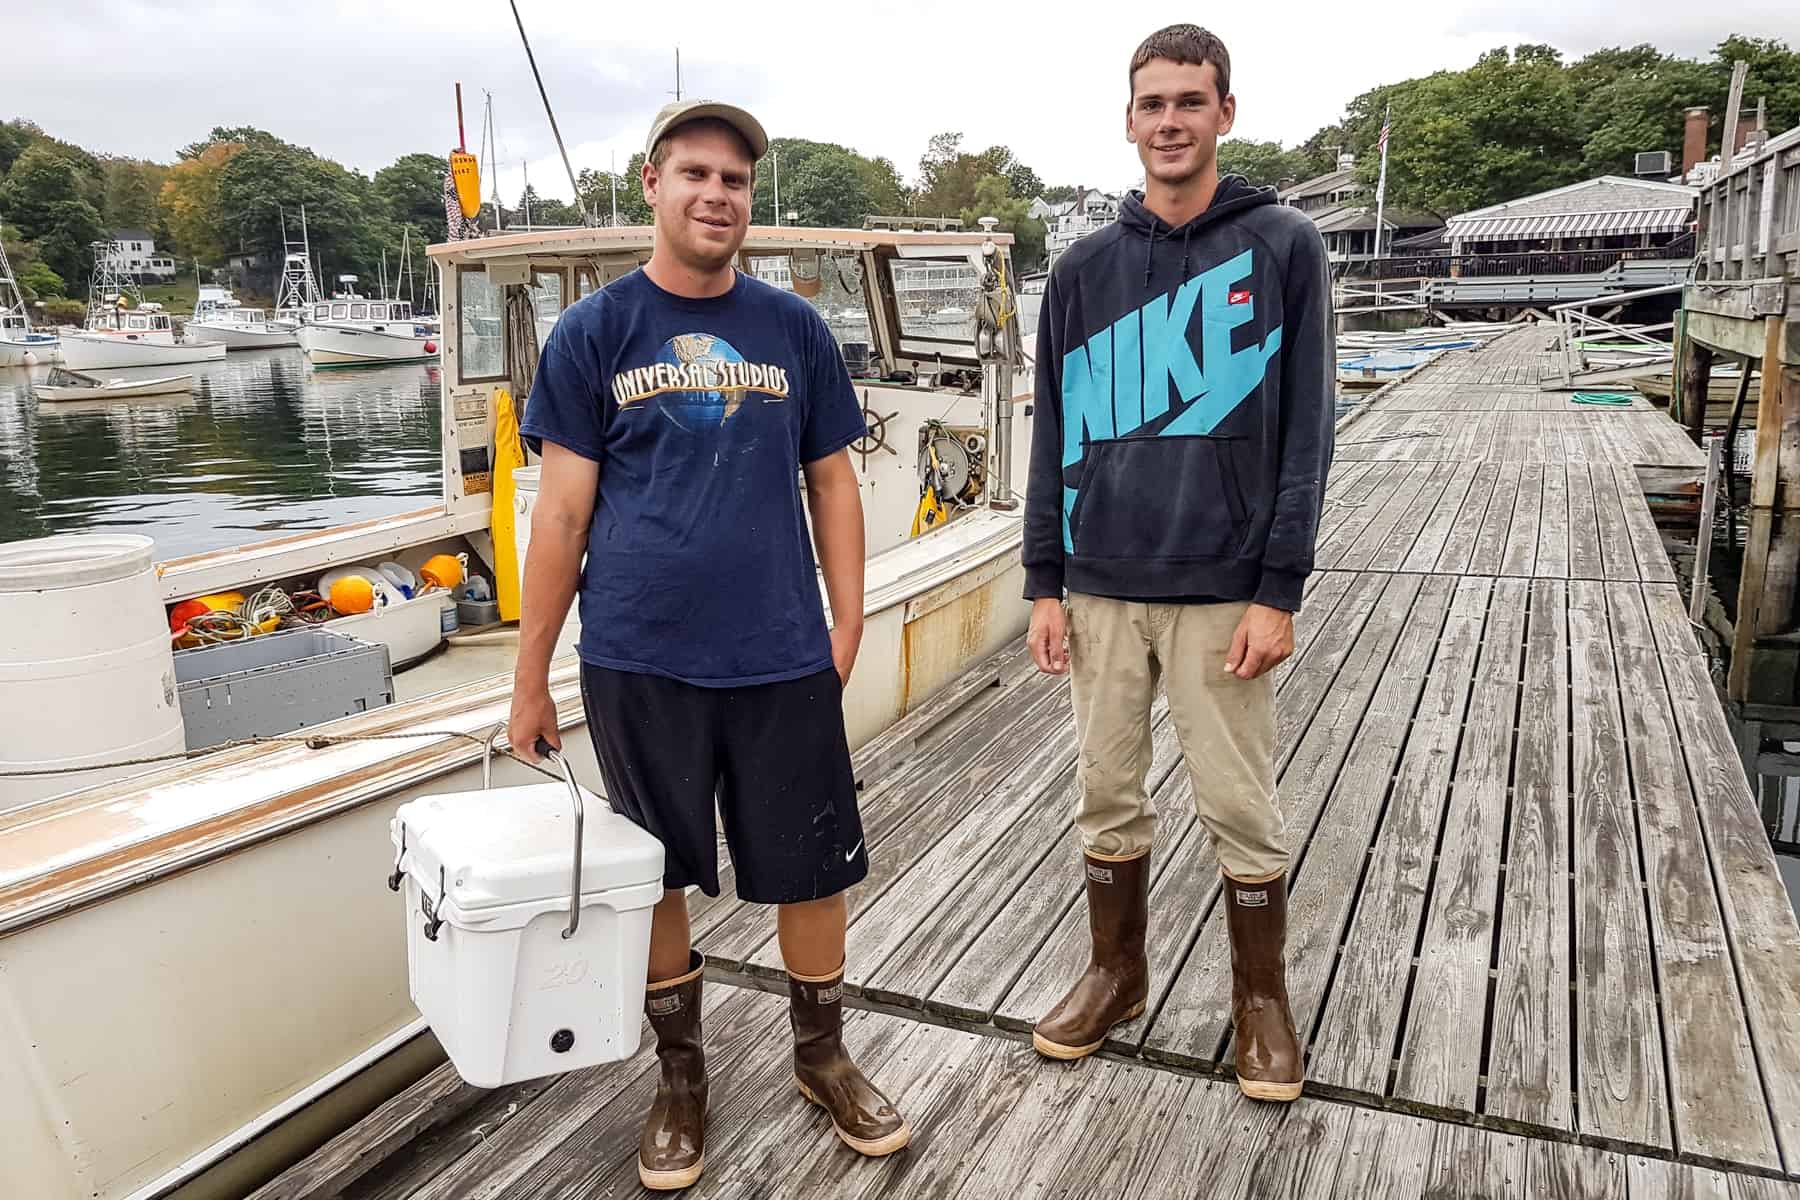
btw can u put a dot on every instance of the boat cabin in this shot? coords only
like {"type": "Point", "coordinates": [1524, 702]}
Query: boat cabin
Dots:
{"type": "Point", "coordinates": [359, 309]}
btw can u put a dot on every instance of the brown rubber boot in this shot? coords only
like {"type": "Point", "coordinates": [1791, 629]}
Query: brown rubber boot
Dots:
{"type": "Point", "coordinates": [1117, 980]}
{"type": "Point", "coordinates": [1268, 1052]}
{"type": "Point", "coordinates": [864, 1119]}
{"type": "Point", "coordinates": [673, 1147]}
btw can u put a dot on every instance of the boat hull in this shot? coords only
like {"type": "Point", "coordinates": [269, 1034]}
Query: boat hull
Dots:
{"type": "Point", "coordinates": [245, 337]}
{"type": "Point", "coordinates": [117, 390]}
{"type": "Point", "coordinates": [99, 352]}
{"type": "Point", "coordinates": [31, 351]}
{"type": "Point", "coordinates": [346, 346]}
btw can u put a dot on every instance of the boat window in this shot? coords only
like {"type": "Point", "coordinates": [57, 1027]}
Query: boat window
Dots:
{"type": "Point", "coordinates": [936, 298]}
{"type": "Point", "coordinates": [549, 294]}
{"type": "Point", "coordinates": [402, 312]}
{"type": "Point", "coordinates": [321, 312]}
{"type": "Point", "coordinates": [831, 283]}
{"type": "Point", "coordinates": [359, 312]}
{"type": "Point", "coordinates": [586, 282]}
{"type": "Point", "coordinates": [481, 341]}
{"type": "Point", "coordinates": [378, 312]}
{"type": "Point", "coordinates": [340, 311]}
{"type": "Point", "coordinates": [139, 322]}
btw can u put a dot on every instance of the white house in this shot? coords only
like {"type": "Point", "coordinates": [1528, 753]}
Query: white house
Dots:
{"type": "Point", "coordinates": [133, 253]}
{"type": "Point", "coordinates": [1068, 222]}
{"type": "Point", "coordinates": [1341, 206]}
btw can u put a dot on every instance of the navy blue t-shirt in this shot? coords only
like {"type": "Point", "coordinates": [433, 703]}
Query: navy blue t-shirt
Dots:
{"type": "Point", "coordinates": [701, 414]}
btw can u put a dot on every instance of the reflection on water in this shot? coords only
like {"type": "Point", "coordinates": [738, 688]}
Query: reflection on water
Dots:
{"type": "Point", "coordinates": [262, 446]}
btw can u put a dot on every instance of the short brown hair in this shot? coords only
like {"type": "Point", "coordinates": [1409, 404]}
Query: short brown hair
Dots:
{"type": "Point", "coordinates": [660, 154]}
{"type": "Point", "coordinates": [1184, 44]}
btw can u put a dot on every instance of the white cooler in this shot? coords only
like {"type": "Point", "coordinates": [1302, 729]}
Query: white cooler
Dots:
{"type": "Point", "coordinates": [516, 980]}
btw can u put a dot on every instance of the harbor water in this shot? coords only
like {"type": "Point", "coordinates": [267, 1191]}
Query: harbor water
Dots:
{"type": "Point", "coordinates": [264, 445]}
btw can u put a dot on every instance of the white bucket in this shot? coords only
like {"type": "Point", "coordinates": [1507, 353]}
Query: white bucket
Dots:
{"type": "Point", "coordinates": [87, 674]}
{"type": "Point", "coordinates": [525, 494]}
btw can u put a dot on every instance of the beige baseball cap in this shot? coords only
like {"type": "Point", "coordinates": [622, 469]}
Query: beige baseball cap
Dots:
{"type": "Point", "coordinates": [683, 111]}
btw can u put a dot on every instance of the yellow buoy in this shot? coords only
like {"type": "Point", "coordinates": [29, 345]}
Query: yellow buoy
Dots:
{"type": "Point", "coordinates": [352, 594]}
{"type": "Point", "coordinates": [466, 171]}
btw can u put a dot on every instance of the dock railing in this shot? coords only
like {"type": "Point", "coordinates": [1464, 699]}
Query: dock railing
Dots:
{"type": "Point", "coordinates": [1528, 262]}
{"type": "Point", "coordinates": [1750, 216]}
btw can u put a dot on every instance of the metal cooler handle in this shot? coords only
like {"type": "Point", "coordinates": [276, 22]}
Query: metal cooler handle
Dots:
{"type": "Point", "coordinates": [556, 759]}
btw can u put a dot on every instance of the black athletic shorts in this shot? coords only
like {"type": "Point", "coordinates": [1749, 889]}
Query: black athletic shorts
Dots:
{"type": "Point", "coordinates": [773, 758]}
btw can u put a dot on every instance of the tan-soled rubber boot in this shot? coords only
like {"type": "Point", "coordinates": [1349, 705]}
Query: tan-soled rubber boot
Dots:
{"type": "Point", "coordinates": [1117, 980]}
{"type": "Point", "coordinates": [864, 1118]}
{"type": "Point", "coordinates": [673, 1147]}
{"type": "Point", "coordinates": [1268, 1052]}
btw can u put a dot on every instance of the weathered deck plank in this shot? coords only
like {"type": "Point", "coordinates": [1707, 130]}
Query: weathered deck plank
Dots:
{"type": "Point", "coordinates": [1360, 1025]}
{"type": "Point", "coordinates": [1619, 1051]}
{"type": "Point", "coordinates": [1528, 1061]}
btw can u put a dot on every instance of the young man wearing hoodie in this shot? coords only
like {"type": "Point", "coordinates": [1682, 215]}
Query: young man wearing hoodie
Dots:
{"type": "Point", "coordinates": [1185, 406]}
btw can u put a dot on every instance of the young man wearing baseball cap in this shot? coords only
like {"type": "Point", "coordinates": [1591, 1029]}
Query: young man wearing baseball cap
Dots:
{"type": "Point", "coordinates": [675, 410]}
{"type": "Point", "coordinates": [1185, 397]}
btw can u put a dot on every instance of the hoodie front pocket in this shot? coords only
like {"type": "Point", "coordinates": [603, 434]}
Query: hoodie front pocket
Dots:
{"type": "Point", "coordinates": [1159, 497]}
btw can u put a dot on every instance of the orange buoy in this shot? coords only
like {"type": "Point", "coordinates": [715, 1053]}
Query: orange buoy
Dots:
{"type": "Point", "coordinates": [443, 570]}
{"type": "Point", "coordinates": [352, 594]}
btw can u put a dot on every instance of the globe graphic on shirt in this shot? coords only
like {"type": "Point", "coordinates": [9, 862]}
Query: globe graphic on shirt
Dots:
{"type": "Point", "coordinates": [698, 411]}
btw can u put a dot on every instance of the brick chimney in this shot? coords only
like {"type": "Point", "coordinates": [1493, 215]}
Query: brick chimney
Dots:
{"type": "Point", "coordinates": [1746, 127]}
{"type": "Point", "coordinates": [1693, 138]}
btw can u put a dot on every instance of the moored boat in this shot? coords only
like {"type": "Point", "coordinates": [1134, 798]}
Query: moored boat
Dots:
{"type": "Point", "coordinates": [65, 384]}
{"type": "Point", "coordinates": [351, 330]}
{"type": "Point", "coordinates": [20, 344]}
{"type": "Point", "coordinates": [240, 328]}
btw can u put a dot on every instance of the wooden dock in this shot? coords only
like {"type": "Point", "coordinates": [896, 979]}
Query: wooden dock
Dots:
{"type": "Point", "coordinates": [1538, 945]}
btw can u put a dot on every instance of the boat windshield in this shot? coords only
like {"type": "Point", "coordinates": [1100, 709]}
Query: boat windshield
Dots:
{"type": "Point", "coordinates": [936, 298]}
{"type": "Point", "coordinates": [833, 285]}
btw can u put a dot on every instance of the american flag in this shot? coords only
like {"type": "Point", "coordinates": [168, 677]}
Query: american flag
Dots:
{"type": "Point", "coordinates": [1382, 140]}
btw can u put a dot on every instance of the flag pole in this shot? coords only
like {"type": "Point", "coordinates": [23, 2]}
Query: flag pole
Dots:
{"type": "Point", "coordinates": [1381, 183]}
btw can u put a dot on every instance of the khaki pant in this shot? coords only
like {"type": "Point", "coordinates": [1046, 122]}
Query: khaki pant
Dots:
{"type": "Point", "coordinates": [1118, 652]}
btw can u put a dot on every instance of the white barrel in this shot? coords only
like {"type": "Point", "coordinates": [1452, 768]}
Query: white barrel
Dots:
{"type": "Point", "coordinates": [87, 673]}
{"type": "Point", "coordinates": [525, 494]}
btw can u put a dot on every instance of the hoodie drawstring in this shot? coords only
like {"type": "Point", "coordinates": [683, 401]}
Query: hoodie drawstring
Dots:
{"type": "Point", "coordinates": [1186, 230]}
{"type": "Point", "coordinates": [1149, 251]}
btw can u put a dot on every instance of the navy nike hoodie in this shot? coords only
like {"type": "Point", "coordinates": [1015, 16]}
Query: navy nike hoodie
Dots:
{"type": "Point", "coordinates": [1185, 390]}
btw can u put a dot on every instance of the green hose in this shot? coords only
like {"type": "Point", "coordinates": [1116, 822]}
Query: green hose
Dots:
{"type": "Point", "coordinates": [1605, 399]}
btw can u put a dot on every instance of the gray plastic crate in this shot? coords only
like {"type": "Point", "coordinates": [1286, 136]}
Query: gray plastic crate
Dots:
{"type": "Point", "coordinates": [278, 683]}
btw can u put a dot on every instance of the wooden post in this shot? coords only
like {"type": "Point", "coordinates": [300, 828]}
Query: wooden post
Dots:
{"type": "Point", "coordinates": [1677, 358]}
{"type": "Point", "coordinates": [1767, 589]}
{"type": "Point", "coordinates": [1696, 379]}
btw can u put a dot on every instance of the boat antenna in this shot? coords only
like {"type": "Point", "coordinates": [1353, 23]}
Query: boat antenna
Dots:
{"type": "Point", "coordinates": [548, 112]}
{"type": "Point", "coordinates": [677, 74]}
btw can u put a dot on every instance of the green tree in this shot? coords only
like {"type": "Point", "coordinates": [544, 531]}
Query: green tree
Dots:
{"type": "Point", "coordinates": [993, 198]}
{"type": "Point", "coordinates": [132, 188]}
{"type": "Point", "coordinates": [40, 181]}
{"type": "Point", "coordinates": [190, 203]}
{"type": "Point", "coordinates": [15, 138]}
{"type": "Point", "coordinates": [348, 230]}
{"type": "Point", "coordinates": [829, 190]}
{"type": "Point", "coordinates": [1774, 76]}
{"type": "Point", "coordinates": [410, 191]}
{"type": "Point", "coordinates": [241, 135]}
{"type": "Point", "coordinates": [1062, 193]}
{"type": "Point", "coordinates": [949, 177]}
{"type": "Point", "coordinates": [1261, 162]}
{"type": "Point", "coordinates": [40, 282]}
{"type": "Point", "coordinates": [597, 193]}
{"type": "Point", "coordinates": [888, 193]}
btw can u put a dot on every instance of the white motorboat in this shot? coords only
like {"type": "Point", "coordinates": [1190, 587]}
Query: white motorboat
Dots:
{"type": "Point", "coordinates": [240, 328]}
{"type": "Point", "coordinates": [351, 330]}
{"type": "Point", "coordinates": [125, 330]}
{"type": "Point", "coordinates": [20, 344]}
{"type": "Point", "coordinates": [140, 337]}
{"type": "Point", "coordinates": [64, 384]}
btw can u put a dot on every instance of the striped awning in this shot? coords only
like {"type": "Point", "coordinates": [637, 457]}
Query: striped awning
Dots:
{"type": "Point", "coordinates": [1579, 224]}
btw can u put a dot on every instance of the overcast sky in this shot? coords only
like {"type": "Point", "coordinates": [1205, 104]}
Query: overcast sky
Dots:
{"type": "Point", "coordinates": [364, 81]}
